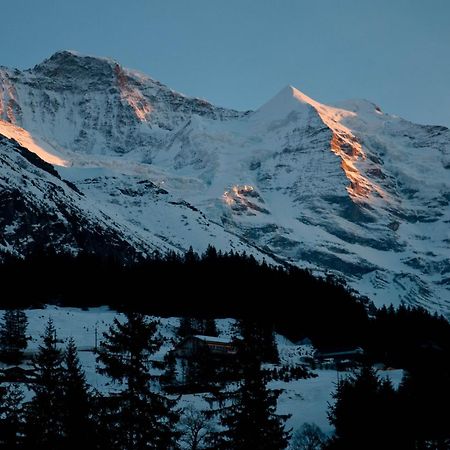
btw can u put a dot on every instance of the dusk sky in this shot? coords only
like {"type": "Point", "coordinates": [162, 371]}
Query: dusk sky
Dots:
{"type": "Point", "coordinates": [239, 53]}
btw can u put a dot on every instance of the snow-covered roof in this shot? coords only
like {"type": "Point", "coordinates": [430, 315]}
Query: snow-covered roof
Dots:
{"type": "Point", "coordinates": [219, 340]}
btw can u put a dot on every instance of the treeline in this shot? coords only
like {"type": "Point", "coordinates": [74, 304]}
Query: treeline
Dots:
{"type": "Point", "coordinates": [214, 284]}
{"type": "Point", "coordinates": [290, 300]}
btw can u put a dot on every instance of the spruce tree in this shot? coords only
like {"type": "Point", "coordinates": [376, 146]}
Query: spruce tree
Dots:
{"type": "Point", "coordinates": [78, 427]}
{"type": "Point", "coordinates": [186, 327]}
{"type": "Point", "coordinates": [201, 368]}
{"type": "Point", "coordinates": [209, 327]}
{"type": "Point", "coordinates": [45, 411]}
{"type": "Point", "coordinates": [365, 413]}
{"type": "Point", "coordinates": [260, 336]}
{"type": "Point", "coordinates": [11, 417]}
{"type": "Point", "coordinates": [13, 340]}
{"type": "Point", "coordinates": [190, 326]}
{"type": "Point", "coordinates": [143, 419]}
{"type": "Point", "coordinates": [251, 421]}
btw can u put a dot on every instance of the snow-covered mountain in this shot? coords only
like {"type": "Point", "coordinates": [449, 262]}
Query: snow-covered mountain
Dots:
{"type": "Point", "coordinates": [343, 188]}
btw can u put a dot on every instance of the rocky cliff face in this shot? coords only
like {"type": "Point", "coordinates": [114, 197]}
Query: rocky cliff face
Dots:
{"type": "Point", "coordinates": [343, 188]}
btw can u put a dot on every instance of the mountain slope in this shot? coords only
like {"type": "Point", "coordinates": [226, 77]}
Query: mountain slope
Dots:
{"type": "Point", "coordinates": [38, 208]}
{"type": "Point", "coordinates": [345, 188]}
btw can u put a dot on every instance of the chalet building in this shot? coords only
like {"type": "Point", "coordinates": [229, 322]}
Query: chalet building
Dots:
{"type": "Point", "coordinates": [217, 346]}
{"type": "Point", "coordinates": [219, 353]}
{"type": "Point", "coordinates": [352, 354]}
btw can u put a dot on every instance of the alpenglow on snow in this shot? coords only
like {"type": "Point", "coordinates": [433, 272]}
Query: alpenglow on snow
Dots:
{"type": "Point", "coordinates": [138, 167]}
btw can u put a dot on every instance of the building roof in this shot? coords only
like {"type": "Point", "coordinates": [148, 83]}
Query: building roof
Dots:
{"type": "Point", "coordinates": [349, 351]}
{"type": "Point", "coordinates": [215, 339]}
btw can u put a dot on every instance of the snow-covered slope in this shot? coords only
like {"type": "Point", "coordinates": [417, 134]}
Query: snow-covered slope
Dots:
{"type": "Point", "coordinates": [345, 188]}
{"type": "Point", "coordinates": [37, 207]}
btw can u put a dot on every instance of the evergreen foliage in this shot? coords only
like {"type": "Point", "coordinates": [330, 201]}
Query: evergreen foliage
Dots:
{"type": "Point", "coordinates": [366, 414]}
{"type": "Point", "coordinates": [78, 423]}
{"type": "Point", "coordinates": [13, 339]}
{"type": "Point", "coordinates": [141, 418]}
{"type": "Point", "coordinates": [251, 421]}
{"type": "Point", "coordinates": [12, 420]}
{"type": "Point", "coordinates": [45, 411]}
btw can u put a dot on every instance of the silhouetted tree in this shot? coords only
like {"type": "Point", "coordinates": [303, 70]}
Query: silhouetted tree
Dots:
{"type": "Point", "coordinates": [78, 426]}
{"type": "Point", "coordinates": [45, 411]}
{"type": "Point", "coordinates": [308, 437]}
{"type": "Point", "coordinates": [365, 413]}
{"type": "Point", "coordinates": [12, 420]}
{"type": "Point", "coordinates": [425, 393]}
{"type": "Point", "coordinates": [251, 421]}
{"type": "Point", "coordinates": [13, 339]}
{"type": "Point", "coordinates": [142, 418]}
{"type": "Point", "coordinates": [259, 336]}
{"type": "Point", "coordinates": [196, 429]}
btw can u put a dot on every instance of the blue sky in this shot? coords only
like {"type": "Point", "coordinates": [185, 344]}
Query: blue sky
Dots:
{"type": "Point", "coordinates": [239, 53]}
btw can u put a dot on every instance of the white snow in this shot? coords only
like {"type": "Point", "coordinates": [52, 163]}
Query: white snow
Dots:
{"type": "Point", "coordinates": [344, 188]}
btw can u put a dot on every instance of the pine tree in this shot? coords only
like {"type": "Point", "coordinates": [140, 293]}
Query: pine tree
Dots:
{"type": "Point", "coordinates": [201, 368]}
{"type": "Point", "coordinates": [13, 340]}
{"type": "Point", "coordinates": [11, 417]}
{"type": "Point", "coordinates": [186, 327]}
{"type": "Point", "coordinates": [365, 413]}
{"type": "Point", "coordinates": [424, 394]}
{"type": "Point", "coordinates": [251, 422]}
{"type": "Point", "coordinates": [190, 326]}
{"type": "Point", "coordinates": [144, 419]}
{"type": "Point", "coordinates": [209, 327]}
{"type": "Point", "coordinates": [45, 411]}
{"type": "Point", "coordinates": [169, 376]}
{"type": "Point", "coordinates": [259, 335]}
{"type": "Point", "coordinates": [77, 423]}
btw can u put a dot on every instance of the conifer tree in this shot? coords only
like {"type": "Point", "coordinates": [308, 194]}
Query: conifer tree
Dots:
{"type": "Point", "coordinates": [11, 418]}
{"type": "Point", "coordinates": [209, 327]}
{"type": "Point", "coordinates": [190, 326]}
{"type": "Point", "coordinates": [13, 340]}
{"type": "Point", "coordinates": [365, 413]}
{"type": "Point", "coordinates": [77, 422]}
{"type": "Point", "coordinates": [251, 422]}
{"type": "Point", "coordinates": [143, 419]}
{"type": "Point", "coordinates": [186, 327]}
{"type": "Point", "coordinates": [259, 335]}
{"type": "Point", "coordinates": [45, 411]}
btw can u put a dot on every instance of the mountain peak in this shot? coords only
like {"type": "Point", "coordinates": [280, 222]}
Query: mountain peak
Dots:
{"type": "Point", "coordinates": [72, 64]}
{"type": "Point", "coordinates": [287, 100]}
{"type": "Point", "coordinates": [291, 91]}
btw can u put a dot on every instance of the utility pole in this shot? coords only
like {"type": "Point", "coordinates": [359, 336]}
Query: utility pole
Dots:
{"type": "Point", "coordinates": [95, 336]}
